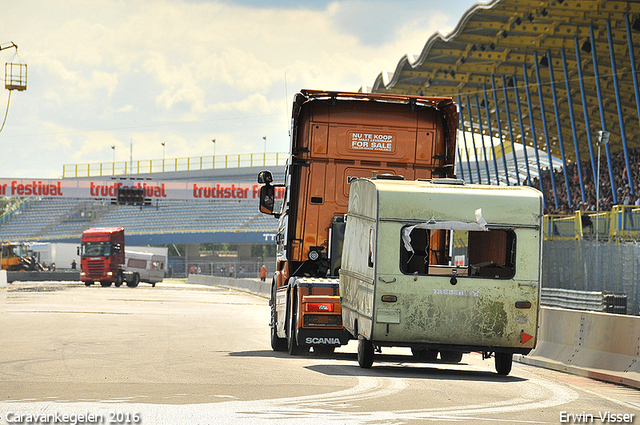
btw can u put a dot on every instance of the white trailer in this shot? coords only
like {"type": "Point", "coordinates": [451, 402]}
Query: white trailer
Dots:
{"type": "Point", "coordinates": [442, 267]}
{"type": "Point", "coordinates": [146, 267]}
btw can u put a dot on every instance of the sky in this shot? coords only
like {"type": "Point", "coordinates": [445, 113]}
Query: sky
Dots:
{"type": "Point", "coordinates": [135, 74]}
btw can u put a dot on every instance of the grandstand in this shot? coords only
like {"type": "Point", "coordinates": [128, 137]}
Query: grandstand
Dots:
{"type": "Point", "coordinates": [536, 83]}
{"type": "Point", "coordinates": [166, 223]}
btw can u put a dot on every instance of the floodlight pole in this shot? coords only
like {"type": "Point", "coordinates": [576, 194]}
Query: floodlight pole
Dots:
{"type": "Point", "coordinates": [265, 150]}
{"type": "Point", "coordinates": [602, 138]}
{"type": "Point", "coordinates": [214, 153]}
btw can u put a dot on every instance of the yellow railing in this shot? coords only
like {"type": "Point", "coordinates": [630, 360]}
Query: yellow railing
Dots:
{"type": "Point", "coordinates": [621, 224]}
{"type": "Point", "coordinates": [174, 164]}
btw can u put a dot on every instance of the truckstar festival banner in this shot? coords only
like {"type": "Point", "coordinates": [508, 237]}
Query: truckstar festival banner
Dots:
{"type": "Point", "coordinates": [70, 188]}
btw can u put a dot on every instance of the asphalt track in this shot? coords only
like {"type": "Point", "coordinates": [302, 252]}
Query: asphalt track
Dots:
{"type": "Point", "coordinates": [192, 354]}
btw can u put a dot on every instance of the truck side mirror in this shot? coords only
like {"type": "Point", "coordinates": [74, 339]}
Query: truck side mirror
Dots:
{"type": "Point", "coordinates": [267, 195]}
{"type": "Point", "coordinates": [265, 177]}
{"type": "Point", "coordinates": [77, 250]}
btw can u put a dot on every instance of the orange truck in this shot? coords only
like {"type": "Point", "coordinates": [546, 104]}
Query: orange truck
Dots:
{"type": "Point", "coordinates": [337, 137]}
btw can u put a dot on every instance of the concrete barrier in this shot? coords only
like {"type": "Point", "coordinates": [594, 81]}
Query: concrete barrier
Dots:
{"type": "Point", "coordinates": [3, 278]}
{"type": "Point", "coordinates": [55, 275]}
{"type": "Point", "coordinates": [596, 345]}
{"type": "Point", "coordinates": [255, 286]}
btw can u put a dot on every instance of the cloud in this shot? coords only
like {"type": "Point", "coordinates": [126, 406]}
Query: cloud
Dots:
{"type": "Point", "coordinates": [187, 71]}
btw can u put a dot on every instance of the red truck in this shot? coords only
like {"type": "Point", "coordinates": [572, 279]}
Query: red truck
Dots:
{"type": "Point", "coordinates": [335, 138]}
{"type": "Point", "coordinates": [102, 258]}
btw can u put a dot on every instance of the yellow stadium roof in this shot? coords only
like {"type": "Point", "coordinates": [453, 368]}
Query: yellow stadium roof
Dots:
{"type": "Point", "coordinates": [508, 60]}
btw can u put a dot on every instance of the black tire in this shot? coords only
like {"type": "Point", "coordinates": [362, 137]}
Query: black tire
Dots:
{"type": "Point", "coordinates": [135, 281]}
{"type": "Point", "coordinates": [503, 363]}
{"type": "Point", "coordinates": [424, 355]}
{"type": "Point", "coordinates": [365, 353]}
{"type": "Point", "coordinates": [451, 356]}
{"type": "Point", "coordinates": [105, 283]}
{"type": "Point", "coordinates": [292, 344]}
{"type": "Point", "coordinates": [88, 283]}
{"type": "Point", "coordinates": [277, 343]}
{"type": "Point", "coordinates": [153, 285]}
{"type": "Point", "coordinates": [324, 350]}
{"type": "Point", "coordinates": [119, 279]}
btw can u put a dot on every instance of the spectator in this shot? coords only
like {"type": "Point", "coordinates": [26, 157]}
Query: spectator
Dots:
{"type": "Point", "coordinates": [263, 273]}
{"type": "Point", "coordinates": [591, 203]}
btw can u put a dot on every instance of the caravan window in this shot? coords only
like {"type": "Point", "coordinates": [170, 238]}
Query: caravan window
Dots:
{"type": "Point", "coordinates": [426, 251]}
{"type": "Point", "coordinates": [137, 264]}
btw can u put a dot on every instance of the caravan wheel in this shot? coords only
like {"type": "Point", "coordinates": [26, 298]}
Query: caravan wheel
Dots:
{"type": "Point", "coordinates": [365, 353]}
{"type": "Point", "coordinates": [503, 363]}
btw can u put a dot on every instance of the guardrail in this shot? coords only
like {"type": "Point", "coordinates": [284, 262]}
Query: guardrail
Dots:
{"type": "Point", "coordinates": [621, 224]}
{"type": "Point", "coordinates": [584, 300]}
{"type": "Point", "coordinates": [174, 164]}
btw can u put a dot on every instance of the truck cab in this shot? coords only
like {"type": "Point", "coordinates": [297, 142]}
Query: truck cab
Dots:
{"type": "Point", "coordinates": [102, 256]}
{"type": "Point", "coordinates": [337, 137]}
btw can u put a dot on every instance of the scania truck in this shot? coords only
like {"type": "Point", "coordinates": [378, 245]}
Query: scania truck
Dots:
{"type": "Point", "coordinates": [337, 137]}
{"type": "Point", "coordinates": [103, 259]}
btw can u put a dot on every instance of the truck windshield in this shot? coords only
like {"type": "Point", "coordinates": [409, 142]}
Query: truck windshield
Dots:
{"type": "Point", "coordinates": [96, 249]}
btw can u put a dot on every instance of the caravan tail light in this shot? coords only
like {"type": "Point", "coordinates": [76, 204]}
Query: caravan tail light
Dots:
{"type": "Point", "coordinates": [319, 307]}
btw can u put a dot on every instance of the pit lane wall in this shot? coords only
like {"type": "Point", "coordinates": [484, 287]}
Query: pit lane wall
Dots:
{"type": "Point", "coordinates": [255, 286]}
{"type": "Point", "coordinates": [595, 345]}
{"type": "Point", "coordinates": [44, 275]}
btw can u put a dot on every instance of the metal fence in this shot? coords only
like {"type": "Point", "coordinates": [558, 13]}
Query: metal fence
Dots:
{"type": "Point", "coordinates": [174, 164]}
{"type": "Point", "coordinates": [593, 266]}
{"type": "Point", "coordinates": [222, 268]}
{"type": "Point", "coordinates": [620, 225]}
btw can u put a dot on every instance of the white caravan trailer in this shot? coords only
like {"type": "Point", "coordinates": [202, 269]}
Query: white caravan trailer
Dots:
{"type": "Point", "coordinates": [146, 267]}
{"type": "Point", "coordinates": [442, 267]}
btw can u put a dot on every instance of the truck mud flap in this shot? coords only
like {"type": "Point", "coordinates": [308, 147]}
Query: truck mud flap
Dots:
{"type": "Point", "coordinates": [323, 337]}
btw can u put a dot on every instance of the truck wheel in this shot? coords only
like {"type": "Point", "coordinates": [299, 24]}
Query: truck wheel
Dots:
{"type": "Point", "coordinates": [503, 363]}
{"type": "Point", "coordinates": [119, 279]}
{"type": "Point", "coordinates": [277, 343]}
{"type": "Point", "coordinates": [105, 283]}
{"type": "Point", "coordinates": [365, 353]}
{"type": "Point", "coordinates": [293, 347]}
{"type": "Point", "coordinates": [324, 350]}
{"type": "Point", "coordinates": [134, 281]}
{"type": "Point", "coordinates": [88, 283]}
{"type": "Point", "coordinates": [451, 356]}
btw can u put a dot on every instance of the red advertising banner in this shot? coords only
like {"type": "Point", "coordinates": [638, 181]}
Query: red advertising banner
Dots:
{"type": "Point", "coordinates": [70, 188]}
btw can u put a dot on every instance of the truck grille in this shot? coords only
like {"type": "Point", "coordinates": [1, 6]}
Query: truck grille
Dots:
{"type": "Point", "coordinates": [95, 268]}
